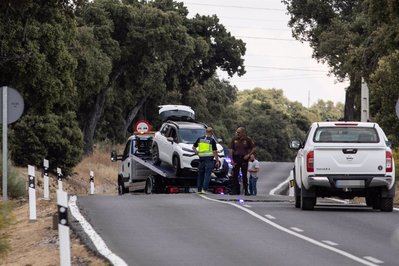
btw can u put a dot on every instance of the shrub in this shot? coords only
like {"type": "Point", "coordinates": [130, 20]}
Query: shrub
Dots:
{"type": "Point", "coordinates": [57, 138]}
{"type": "Point", "coordinates": [16, 184]}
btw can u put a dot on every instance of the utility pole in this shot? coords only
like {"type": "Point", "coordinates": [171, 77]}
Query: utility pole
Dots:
{"type": "Point", "coordinates": [365, 114]}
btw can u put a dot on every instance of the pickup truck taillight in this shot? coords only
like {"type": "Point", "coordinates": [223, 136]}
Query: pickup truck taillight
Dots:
{"type": "Point", "coordinates": [388, 157]}
{"type": "Point", "coordinates": [310, 161]}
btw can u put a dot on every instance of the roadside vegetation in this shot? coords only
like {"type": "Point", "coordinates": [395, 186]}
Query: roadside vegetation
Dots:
{"type": "Point", "coordinates": [5, 221]}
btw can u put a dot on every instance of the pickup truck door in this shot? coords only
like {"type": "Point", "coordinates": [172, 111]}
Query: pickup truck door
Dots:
{"type": "Point", "coordinates": [126, 160]}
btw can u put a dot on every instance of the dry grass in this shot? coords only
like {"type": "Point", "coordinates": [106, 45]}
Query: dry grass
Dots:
{"type": "Point", "coordinates": [105, 173]}
{"type": "Point", "coordinates": [37, 243]}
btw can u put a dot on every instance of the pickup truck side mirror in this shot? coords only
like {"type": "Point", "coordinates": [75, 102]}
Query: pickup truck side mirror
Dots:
{"type": "Point", "coordinates": [115, 157]}
{"type": "Point", "coordinates": [170, 139]}
{"type": "Point", "coordinates": [295, 144]}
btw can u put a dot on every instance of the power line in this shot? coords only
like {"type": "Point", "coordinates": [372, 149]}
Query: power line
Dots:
{"type": "Point", "coordinates": [257, 28]}
{"type": "Point", "coordinates": [266, 38]}
{"type": "Point", "coordinates": [231, 6]}
{"type": "Point", "coordinates": [290, 68]}
{"type": "Point", "coordinates": [254, 19]}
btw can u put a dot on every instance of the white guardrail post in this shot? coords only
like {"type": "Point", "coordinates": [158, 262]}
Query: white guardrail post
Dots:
{"type": "Point", "coordinates": [46, 185]}
{"type": "Point", "coordinates": [63, 228]}
{"type": "Point", "coordinates": [32, 193]}
{"type": "Point", "coordinates": [91, 183]}
{"type": "Point", "coordinates": [291, 190]}
{"type": "Point", "coordinates": [59, 178]}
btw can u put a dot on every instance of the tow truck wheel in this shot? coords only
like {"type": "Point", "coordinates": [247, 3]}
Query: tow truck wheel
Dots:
{"type": "Point", "coordinates": [387, 204]}
{"type": "Point", "coordinates": [149, 185]}
{"type": "Point", "coordinates": [121, 186]}
{"type": "Point", "coordinates": [176, 165]}
{"type": "Point", "coordinates": [155, 155]}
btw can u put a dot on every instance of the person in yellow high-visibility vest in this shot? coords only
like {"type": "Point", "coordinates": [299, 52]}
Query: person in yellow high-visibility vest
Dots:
{"type": "Point", "coordinates": [206, 149]}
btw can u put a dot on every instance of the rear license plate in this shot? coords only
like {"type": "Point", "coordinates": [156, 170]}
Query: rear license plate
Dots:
{"type": "Point", "coordinates": [350, 184]}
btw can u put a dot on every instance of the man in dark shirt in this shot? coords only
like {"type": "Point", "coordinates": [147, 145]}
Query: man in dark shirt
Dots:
{"type": "Point", "coordinates": [241, 149]}
{"type": "Point", "coordinates": [206, 149]}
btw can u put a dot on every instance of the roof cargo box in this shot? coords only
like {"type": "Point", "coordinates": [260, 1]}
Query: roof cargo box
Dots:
{"type": "Point", "coordinates": [176, 113]}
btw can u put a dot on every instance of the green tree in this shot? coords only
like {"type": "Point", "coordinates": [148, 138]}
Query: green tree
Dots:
{"type": "Point", "coordinates": [35, 58]}
{"type": "Point", "coordinates": [327, 110]}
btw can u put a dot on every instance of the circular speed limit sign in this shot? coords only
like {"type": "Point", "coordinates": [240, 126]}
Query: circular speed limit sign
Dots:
{"type": "Point", "coordinates": [142, 126]}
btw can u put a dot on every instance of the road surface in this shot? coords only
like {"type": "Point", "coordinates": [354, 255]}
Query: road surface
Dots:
{"type": "Point", "coordinates": [186, 229]}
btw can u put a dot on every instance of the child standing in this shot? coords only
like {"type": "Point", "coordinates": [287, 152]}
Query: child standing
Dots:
{"type": "Point", "coordinates": [253, 169]}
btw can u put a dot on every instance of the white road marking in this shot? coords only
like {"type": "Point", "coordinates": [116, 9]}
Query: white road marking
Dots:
{"type": "Point", "coordinates": [374, 260]}
{"type": "Point", "coordinates": [328, 242]}
{"type": "Point", "coordinates": [396, 209]}
{"type": "Point", "coordinates": [297, 229]}
{"type": "Point", "coordinates": [246, 205]}
{"type": "Point", "coordinates": [274, 190]}
{"type": "Point", "coordinates": [270, 217]}
{"type": "Point", "coordinates": [95, 238]}
{"type": "Point", "coordinates": [293, 233]}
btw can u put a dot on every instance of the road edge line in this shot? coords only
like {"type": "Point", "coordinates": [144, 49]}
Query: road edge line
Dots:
{"type": "Point", "coordinates": [98, 242]}
{"type": "Point", "coordinates": [279, 186]}
{"type": "Point", "coordinates": [288, 231]}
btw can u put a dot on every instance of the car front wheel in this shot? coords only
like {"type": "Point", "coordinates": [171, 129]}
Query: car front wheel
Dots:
{"type": "Point", "coordinates": [176, 165]}
{"type": "Point", "coordinates": [155, 155]}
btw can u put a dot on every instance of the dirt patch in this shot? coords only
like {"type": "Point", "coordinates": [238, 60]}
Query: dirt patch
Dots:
{"type": "Point", "coordinates": [37, 243]}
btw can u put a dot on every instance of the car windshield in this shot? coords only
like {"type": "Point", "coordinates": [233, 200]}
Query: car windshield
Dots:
{"type": "Point", "coordinates": [346, 135]}
{"type": "Point", "coordinates": [190, 135]}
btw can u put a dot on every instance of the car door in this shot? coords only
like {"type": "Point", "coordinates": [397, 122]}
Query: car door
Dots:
{"type": "Point", "coordinates": [170, 145]}
{"type": "Point", "coordinates": [126, 160]}
{"type": "Point", "coordinates": [162, 142]}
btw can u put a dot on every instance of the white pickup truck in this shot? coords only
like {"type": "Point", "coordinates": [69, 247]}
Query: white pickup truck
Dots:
{"type": "Point", "coordinates": [346, 160]}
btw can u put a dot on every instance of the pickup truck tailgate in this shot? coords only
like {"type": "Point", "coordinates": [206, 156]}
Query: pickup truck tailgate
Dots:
{"type": "Point", "coordinates": [349, 160]}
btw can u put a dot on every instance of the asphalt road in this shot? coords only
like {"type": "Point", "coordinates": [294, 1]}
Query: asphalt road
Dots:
{"type": "Point", "coordinates": [186, 229]}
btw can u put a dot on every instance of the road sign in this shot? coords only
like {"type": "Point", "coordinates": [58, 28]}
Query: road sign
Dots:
{"type": "Point", "coordinates": [142, 126]}
{"type": "Point", "coordinates": [397, 108]}
{"type": "Point", "coordinates": [15, 105]}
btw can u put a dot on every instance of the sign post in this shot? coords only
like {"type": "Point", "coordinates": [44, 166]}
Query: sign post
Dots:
{"type": "Point", "coordinates": [91, 183]}
{"type": "Point", "coordinates": [12, 107]}
{"type": "Point", "coordinates": [32, 193]}
{"type": "Point", "coordinates": [59, 177]}
{"type": "Point", "coordinates": [46, 185]}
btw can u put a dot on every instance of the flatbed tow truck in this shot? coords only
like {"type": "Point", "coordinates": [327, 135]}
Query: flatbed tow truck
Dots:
{"type": "Point", "coordinates": [138, 172]}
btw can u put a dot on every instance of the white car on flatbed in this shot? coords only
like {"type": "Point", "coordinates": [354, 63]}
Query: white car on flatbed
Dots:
{"type": "Point", "coordinates": [346, 160]}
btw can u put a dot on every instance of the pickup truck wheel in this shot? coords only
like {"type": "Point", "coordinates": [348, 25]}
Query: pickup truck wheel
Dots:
{"type": "Point", "coordinates": [149, 185]}
{"type": "Point", "coordinates": [297, 193]}
{"type": "Point", "coordinates": [387, 204]}
{"type": "Point", "coordinates": [307, 203]}
{"type": "Point", "coordinates": [376, 202]}
{"type": "Point", "coordinates": [155, 155]}
{"type": "Point", "coordinates": [176, 165]}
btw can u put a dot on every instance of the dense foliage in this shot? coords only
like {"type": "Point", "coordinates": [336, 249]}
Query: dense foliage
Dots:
{"type": "Point", "coordinates": [357, 38]}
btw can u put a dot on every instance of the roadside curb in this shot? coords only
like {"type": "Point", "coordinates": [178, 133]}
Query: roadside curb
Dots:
{"type": "Point", "coordinates": [90, 237]}
{"type": "Point", "coordinates": [80, 233]}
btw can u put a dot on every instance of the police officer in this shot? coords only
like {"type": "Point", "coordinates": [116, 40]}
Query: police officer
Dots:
{"type": "Point", "coordinates": [206, 149]}
{"type": "Point", "coordinates": [241, 149]}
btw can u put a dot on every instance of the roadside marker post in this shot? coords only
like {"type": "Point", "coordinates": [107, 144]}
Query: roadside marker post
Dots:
{"type": "Point", "coordinates": [91, 183]}
{"type": "Point", "coordinates": [59, 177]}
{"type": "Point", "coordinates": [63, 228]}
{"type": "Point", "coordinates": [32, 193]}
{"type": "Point", "coordinates": [291, 189]}
{"type": "Point", "coordinates": [46, 188]}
